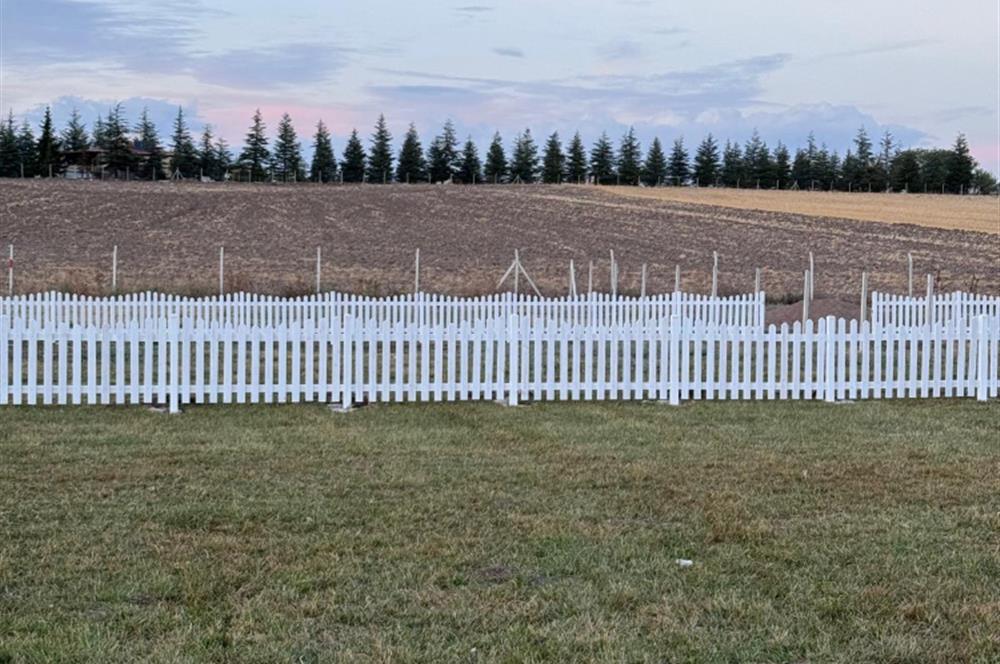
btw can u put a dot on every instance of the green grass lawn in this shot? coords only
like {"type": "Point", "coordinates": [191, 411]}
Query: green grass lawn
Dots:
{"type": "Point", "coordinates": [477, 533]}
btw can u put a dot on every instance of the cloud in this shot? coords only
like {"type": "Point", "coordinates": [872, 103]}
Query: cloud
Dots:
{"type": "Point", "coordinates": [623, 49]}
{"type": "Point", "coordinates": [473, 9]}
{"type": "Point", "coordinates": [668, 31]}
{"type": "Point", "coordinates": [159, 41]}
{"type": "Point", "coordinates": [879, 48]}
{"type": "Point", "coordinates": [509, 52]}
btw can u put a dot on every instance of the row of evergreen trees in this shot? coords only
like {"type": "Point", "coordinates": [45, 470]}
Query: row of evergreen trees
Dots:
{"type": "Point", "coordinates": [139, 151]}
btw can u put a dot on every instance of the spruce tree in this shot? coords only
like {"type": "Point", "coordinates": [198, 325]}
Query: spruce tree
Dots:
{"type": "Point", "coordinates": [706, 163]}
{"type": "Point", "coordinates": [655, 169]}
{"type": "Point", "coordinates": [576, 161]}
{"type": "Point", "coordinates": [470, 171]}
{"type": "Point", "coordinates": [781, 166]}
{"type": "Point", "coordinates": [495, 169]}
{"type": "Point", "coordinates": [208, 158]}
{"type": "Point", "coordinates": [100, 135]}
{"type": "Point", "coordinates": [286, 158]}
{"type": "Point", "coordinates": [629, 159]}
{"type": "Point", "coordinates": [148, 140]}
{"type": "Point", "coordinates": [801, 169]}
{"type": "Point", "coordinates": [442, 155]}
{"type": "Point", "coordinates": [255, 154]}
{"type": "Point", "coordinates": [554, 161]}
{"type": "Point", "coordinates": [733, 171]}
{"type": "Point", "coordinates": [120, 158]}
{"type": "Point", "coordinates": [223, 157]}
{"type": "Point", "coordinates": [48, 147]}
{"type": "Point", "coordinates": [961, 167]}
{"type": "Point", "coordinates": [905, 175]}
{"type": "Point", "coordinates": [324, 164]}
{"type": "Point", "coordinates": [678, 168]}
{"type": "Point", "coordinates": [411, 167]}
{"type": "Point", "coordinates": [757, 162]}
{"type": "Point", "coordinates": [74, 136]}
{"type": "Point", "coordinates": [380, 155]}
{"type": "Point", "coordinates": [184, 161]}
{"type": "Point", "coordinates": [602, 161]}
{"type": "Point", "coordinates": [524, 160]}
{"type": "Point", "coordinates": [352, 166]}
{"type": "Point", "coordinates": [859, 166]}
{"type": "Point", "coordinates": [884, 162]}
{"type": "Point", "coordinates": [9, 156]}
{"type": "Point", "coordinates": [27, 150]}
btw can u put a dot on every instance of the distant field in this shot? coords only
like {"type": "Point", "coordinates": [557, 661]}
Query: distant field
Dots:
{"type": "Point", "coordinates": [475, 533]}
{"type": "Point", "coordinates": [970, 213]}
{"type": "Point", "coordinates": [169, 234]}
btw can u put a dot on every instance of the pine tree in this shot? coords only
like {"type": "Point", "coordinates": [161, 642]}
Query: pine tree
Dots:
{"type": "Point", "coordinates": [380, 155]}
{"type": "Point", "coordinates": [905, 175]}
{"type": "Point", "coordinates": [859, 168]}
{"type": "Point", "coordinates": [352, 166]}
{"type": "Point", "coordinates": [470, 171]}
{"type": "Point", "coordinates": [208, 158]}
{"type": "Point", "coordinates": [9, 157]}
{"type": "Point", "coordinates": [602, 161]}
{"type": "Point", "coordinates": [100, 135]}
{"type": "Point", "coordinates": [554, 161]}
{"type": "Point", "coordinates": [287, 164]}
{"type": "Point", "coordinates": [782, 167]}
{"type": "Point", "coordinates": [48, 147]}
{"type": "Point", "coordinates": [801, 169]}
{"type": "Point", "coordinates": [27, 150]}
{"type": "Point", "coordinates": [496, 161]}
{"type": "Point", "coordinates": [757, 162]}
{"type": "Point", "coordinates": [255, 154]}
{"type": "Point", "coordinates": [576, 162]}
{"type": "Point", "coordinates": [629, 159]}
{"type": "Point", "coordinates": [706, 163]}
{"type": "Point", "coordinates": [884, 164]}
{"type": "Point", "coordinates": [442, 155]}
{"type": "Point", "coordinates": [74, 136]}
{"type": "Point", "coordinates": [151, 167]}
{"type": "Point", "coordinates": [223, 158]}
{"type": "Point", "coordinates": [654, 170]}
{"type": "Point", "coordinates": [733, 170]}
{"type": "Point", "coordinates": [324, 163]}
{"type": "Point", "coordinates": [120, 157]}
{"type": "Point", "coordinates": [184, 160]}
{"type": "Point", "coordinates": [412, 167]}
{"type": "Point", "coordinates": [524, 160]}
{"type": "Point", "coordinates": [678, 169]}
{"type": "Point", "coordinates": [961, 167]}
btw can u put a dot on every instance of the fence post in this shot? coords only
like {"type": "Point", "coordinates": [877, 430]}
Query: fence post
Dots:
{"type": "Point", "coordinates": [830, 348]}
{"type": "Point", "coordinates": [929, 315]}
{"type": "Point", "coordinates": [864, 297]}
{"type": "Point", "coordinates": [982, 385]}
{"type": "Point", "coordinates": [675, 360]}
{"type": "Point", "coordinates": [512, 361]}
{"type": "Point", "coordinates": [173, 375]}
{"type": "Point", "coordinates": [347, 387]}
{"type": "Point", "coordinates": [10, 272]}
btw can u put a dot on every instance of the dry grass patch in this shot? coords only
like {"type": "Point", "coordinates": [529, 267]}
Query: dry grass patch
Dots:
{"type": "Point", "coordinates": [968, 213]}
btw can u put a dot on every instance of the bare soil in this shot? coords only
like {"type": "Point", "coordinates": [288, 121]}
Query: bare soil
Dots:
{"type": "Point", "coordinates": [168, 237]}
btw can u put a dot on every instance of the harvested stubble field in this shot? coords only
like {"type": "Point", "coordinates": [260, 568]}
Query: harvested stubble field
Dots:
{"type": "Point", "coordinates": [168, 237]}
{"type": "Point", "coordinates": [967, 213]}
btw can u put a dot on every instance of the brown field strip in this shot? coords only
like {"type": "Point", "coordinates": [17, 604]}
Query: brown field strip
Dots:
{"type": "Point", "coordinates": [168, 237]}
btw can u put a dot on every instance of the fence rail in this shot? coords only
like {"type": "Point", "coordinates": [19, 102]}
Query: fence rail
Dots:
{"type": "Point", "coordinates": [352, 359]}
{"type": "Point", "coordinates": [889, 309]}
{"type": "Point", "coordinates": [56, 309]}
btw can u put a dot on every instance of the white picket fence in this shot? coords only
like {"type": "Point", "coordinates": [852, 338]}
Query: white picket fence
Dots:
{"type": "Point", "coordinates": [354, 359]}
{"type": "Point", "coordinates": [887, 309]}
{"type": "Point", "coordinates": [55, 309]}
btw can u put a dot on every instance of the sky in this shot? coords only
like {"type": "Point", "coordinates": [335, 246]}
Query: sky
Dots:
{"type": "Point", "coordinates": [922, 70]}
